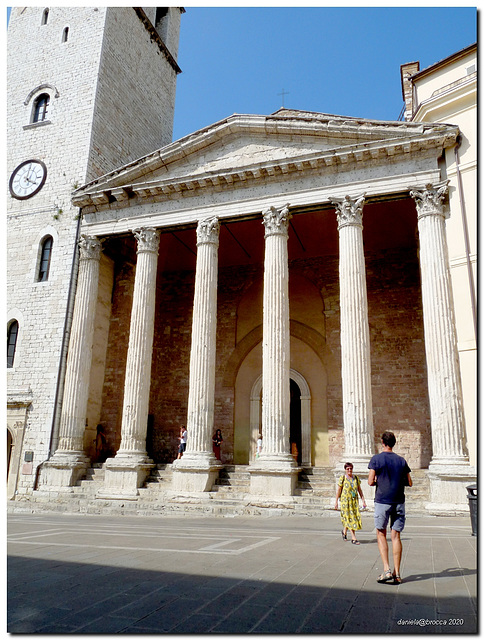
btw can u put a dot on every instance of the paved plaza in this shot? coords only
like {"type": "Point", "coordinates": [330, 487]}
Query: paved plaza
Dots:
{"type": "Point", "coordinates": [189, 574]}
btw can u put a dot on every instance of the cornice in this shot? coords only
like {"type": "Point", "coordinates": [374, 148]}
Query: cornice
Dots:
{"type": "Point", "coordinates": [446, 61]}
{"type": "Point", "coordinates": [155, 37]}
{"type": "Point", "coordinates": [300, 124]}
{"type": "Point", "coordinates": [455, 93]}
{"type": "Point", "coordinates": [126, 193]}
{"type": "Point", "coordinates": [19, 397]}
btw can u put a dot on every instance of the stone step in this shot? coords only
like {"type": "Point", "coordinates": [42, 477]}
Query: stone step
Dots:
{"type": "Point", "coordinates": [240, 476]}
{"type": "Point", "coordinates": [320, 493]}
{"type": "Point", "coordinates": [230, 496]}
{"type": "Point", "coordinates": [325, 472]}
{"type": "Point", "coordinates": [232, 482]}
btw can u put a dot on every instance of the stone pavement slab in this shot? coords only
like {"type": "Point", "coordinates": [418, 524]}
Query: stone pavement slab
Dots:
{"type": "Point", "coordinates": [248, 574]}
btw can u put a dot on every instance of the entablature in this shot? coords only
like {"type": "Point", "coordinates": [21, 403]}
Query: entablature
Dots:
{"type": "Point", "coordinates": [151, 214]}
{"type": "Point", "coordinates": [327, 161]}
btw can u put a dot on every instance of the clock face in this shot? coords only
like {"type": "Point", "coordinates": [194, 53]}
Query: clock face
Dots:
{"type": "Point", "coordinates": [27, 179]}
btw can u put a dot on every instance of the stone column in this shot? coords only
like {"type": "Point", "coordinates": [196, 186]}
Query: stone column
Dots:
{"type": "Point", "coordinates": [69, 462]}
{"type": "Point", "coordinates": [198, 467]}
{"type": "Point", "coordinates": [355, 334]}
{"type": "Point", "coordinates": [275, 472]}
{"type": "Point", "coordinates": [449, 469]}
{"type": "Point", "coordinates": [128, 469]}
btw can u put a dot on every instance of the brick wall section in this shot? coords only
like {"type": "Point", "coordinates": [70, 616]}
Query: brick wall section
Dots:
{"type": "Point", "coordinates": [171, 361]}
{"type": "Point", "coordinates": [117, 353]}
{"type": "Point", "coordinates": [399, 374]}
{"type": "Point", "coordinates": [398, 358]}
{"type": "Point", "coordinates": [233, 284]}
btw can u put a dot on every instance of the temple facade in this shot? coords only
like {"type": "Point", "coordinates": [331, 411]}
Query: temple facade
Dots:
{"type": "Point", "coordinates": [284, 275]}
{"type": "Point", "coordinates": [287, 277]}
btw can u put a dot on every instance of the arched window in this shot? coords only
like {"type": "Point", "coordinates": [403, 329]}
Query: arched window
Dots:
{"type": "Point", "coordinates": [45, 16]}
{"type": "Point", "coordinates": [65, 34]}
{"type": "Point", "coordinates": [45, 254]}
{"type": "Point", "coordinates": [12, 334]}
{"type": "Point", "coordinates": [41, 106]}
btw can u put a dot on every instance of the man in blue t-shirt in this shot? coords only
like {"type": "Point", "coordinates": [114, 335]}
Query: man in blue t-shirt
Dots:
{"type": "Point", "coordinates": [391, 474]}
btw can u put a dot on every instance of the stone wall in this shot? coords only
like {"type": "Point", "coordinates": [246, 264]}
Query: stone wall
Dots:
{"type": "Point", "coordinates": [39, 62]}
{"type": "Point", "coordinates": [135, 96]}
{"type": "Point", "coordinates": [92, 80]}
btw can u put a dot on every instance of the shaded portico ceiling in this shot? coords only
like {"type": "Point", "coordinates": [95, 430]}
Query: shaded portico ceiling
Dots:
{"type": "Point", "coordinates": [386, 225]}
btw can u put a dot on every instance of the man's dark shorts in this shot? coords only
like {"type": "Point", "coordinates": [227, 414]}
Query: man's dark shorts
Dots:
{"type": "Point", "coordinates": [395, 513]}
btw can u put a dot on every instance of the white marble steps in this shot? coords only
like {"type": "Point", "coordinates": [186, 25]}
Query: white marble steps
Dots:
{"type": "Point", "coordinates": [315, 494]}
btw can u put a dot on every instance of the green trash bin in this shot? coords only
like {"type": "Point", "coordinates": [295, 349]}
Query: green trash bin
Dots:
{"type": "Point", "coordinates": [472, 497]}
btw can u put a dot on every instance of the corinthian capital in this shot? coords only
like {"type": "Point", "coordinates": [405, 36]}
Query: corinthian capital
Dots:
{"type": "Point", "coordinates": [208, 231]}
{"type": "Point", "coordinates": [349, 211]}
{"type": "Point", "coordinates": [90, 248]}
{"type": "Point", "coordinates": [148, 239]}
{"type": "Point", "coordinates": [276, 221]}
{"type": "Point", "coordinates": [430, 201]}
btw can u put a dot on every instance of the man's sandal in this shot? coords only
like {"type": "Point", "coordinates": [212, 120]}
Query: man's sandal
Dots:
{"type": "Point", "coordinates": [386, 576]}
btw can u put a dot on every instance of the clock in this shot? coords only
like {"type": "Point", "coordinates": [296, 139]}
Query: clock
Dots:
{"type": "Point", "coordinates": [27, 179]}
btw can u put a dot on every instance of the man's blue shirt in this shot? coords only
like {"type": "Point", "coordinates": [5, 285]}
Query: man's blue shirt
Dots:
{"type": "Point", "coordinates": [391, 477]}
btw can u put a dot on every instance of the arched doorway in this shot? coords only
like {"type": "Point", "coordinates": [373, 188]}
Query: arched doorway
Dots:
{"type": "Point", "coordinates": [301, 422]}
{"type": "Point", "coordinates": [295, 421]}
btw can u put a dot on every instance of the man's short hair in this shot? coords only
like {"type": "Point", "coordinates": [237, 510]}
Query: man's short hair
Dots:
{"type": "Point", "coordinates": [388, 439]}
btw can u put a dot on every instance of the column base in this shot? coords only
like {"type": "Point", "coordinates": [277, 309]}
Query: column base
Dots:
{"type": "Point", "coordinates": [195, 472]}
{"type": "Point", "coordinates": [448, 492]}
{"type": "Point", "coordinates": [63, 471]}
{"type": "Point", "coordinates": [273, 476]}
{"type": "Point", "coordinates": [123, 476]}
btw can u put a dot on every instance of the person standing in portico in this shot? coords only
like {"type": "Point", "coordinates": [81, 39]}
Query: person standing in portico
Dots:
{"type": "Point", "coordinates": [391, 474]}
{"type": "Point", "coordinates": [183, 442]}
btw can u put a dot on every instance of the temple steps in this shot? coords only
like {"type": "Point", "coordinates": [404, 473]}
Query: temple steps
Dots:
{"type": "Point", "coordinates": [230, 496]}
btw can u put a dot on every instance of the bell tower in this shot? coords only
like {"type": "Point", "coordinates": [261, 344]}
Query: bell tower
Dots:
{"type": "Point", "coordinates": [89, 89]}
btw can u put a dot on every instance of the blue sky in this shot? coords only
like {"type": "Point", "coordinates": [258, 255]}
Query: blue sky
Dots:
{"type": "Point", "coordinates": [340, 60]}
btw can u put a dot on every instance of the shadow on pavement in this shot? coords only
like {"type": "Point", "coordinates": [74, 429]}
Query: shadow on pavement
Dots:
{"type": "Point", "coordinates": [66, 597]}
{"type": "Point", "coordinates": [456, 572]}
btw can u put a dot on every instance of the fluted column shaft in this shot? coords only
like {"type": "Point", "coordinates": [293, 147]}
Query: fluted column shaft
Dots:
{"type": "Point", "coordinates": [276, 340]}
{"type": "Point", "coordinates": [355, 334]}
{"type": "Point", "coordinates": [76, 386]}
{"type": "Point", "coordinates": [444, 382]}
{"type": "Point", "coordinates": [138, 364]}
{"type": "Point", "coordinates": [201, 397]}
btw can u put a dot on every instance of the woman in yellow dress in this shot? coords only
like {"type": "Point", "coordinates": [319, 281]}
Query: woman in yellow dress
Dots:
{"type": "Point", "coordinates": [349, 486]}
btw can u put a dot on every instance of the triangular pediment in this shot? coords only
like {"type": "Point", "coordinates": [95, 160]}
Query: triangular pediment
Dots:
{"type": "Point", "coordinates": [258, 146]}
